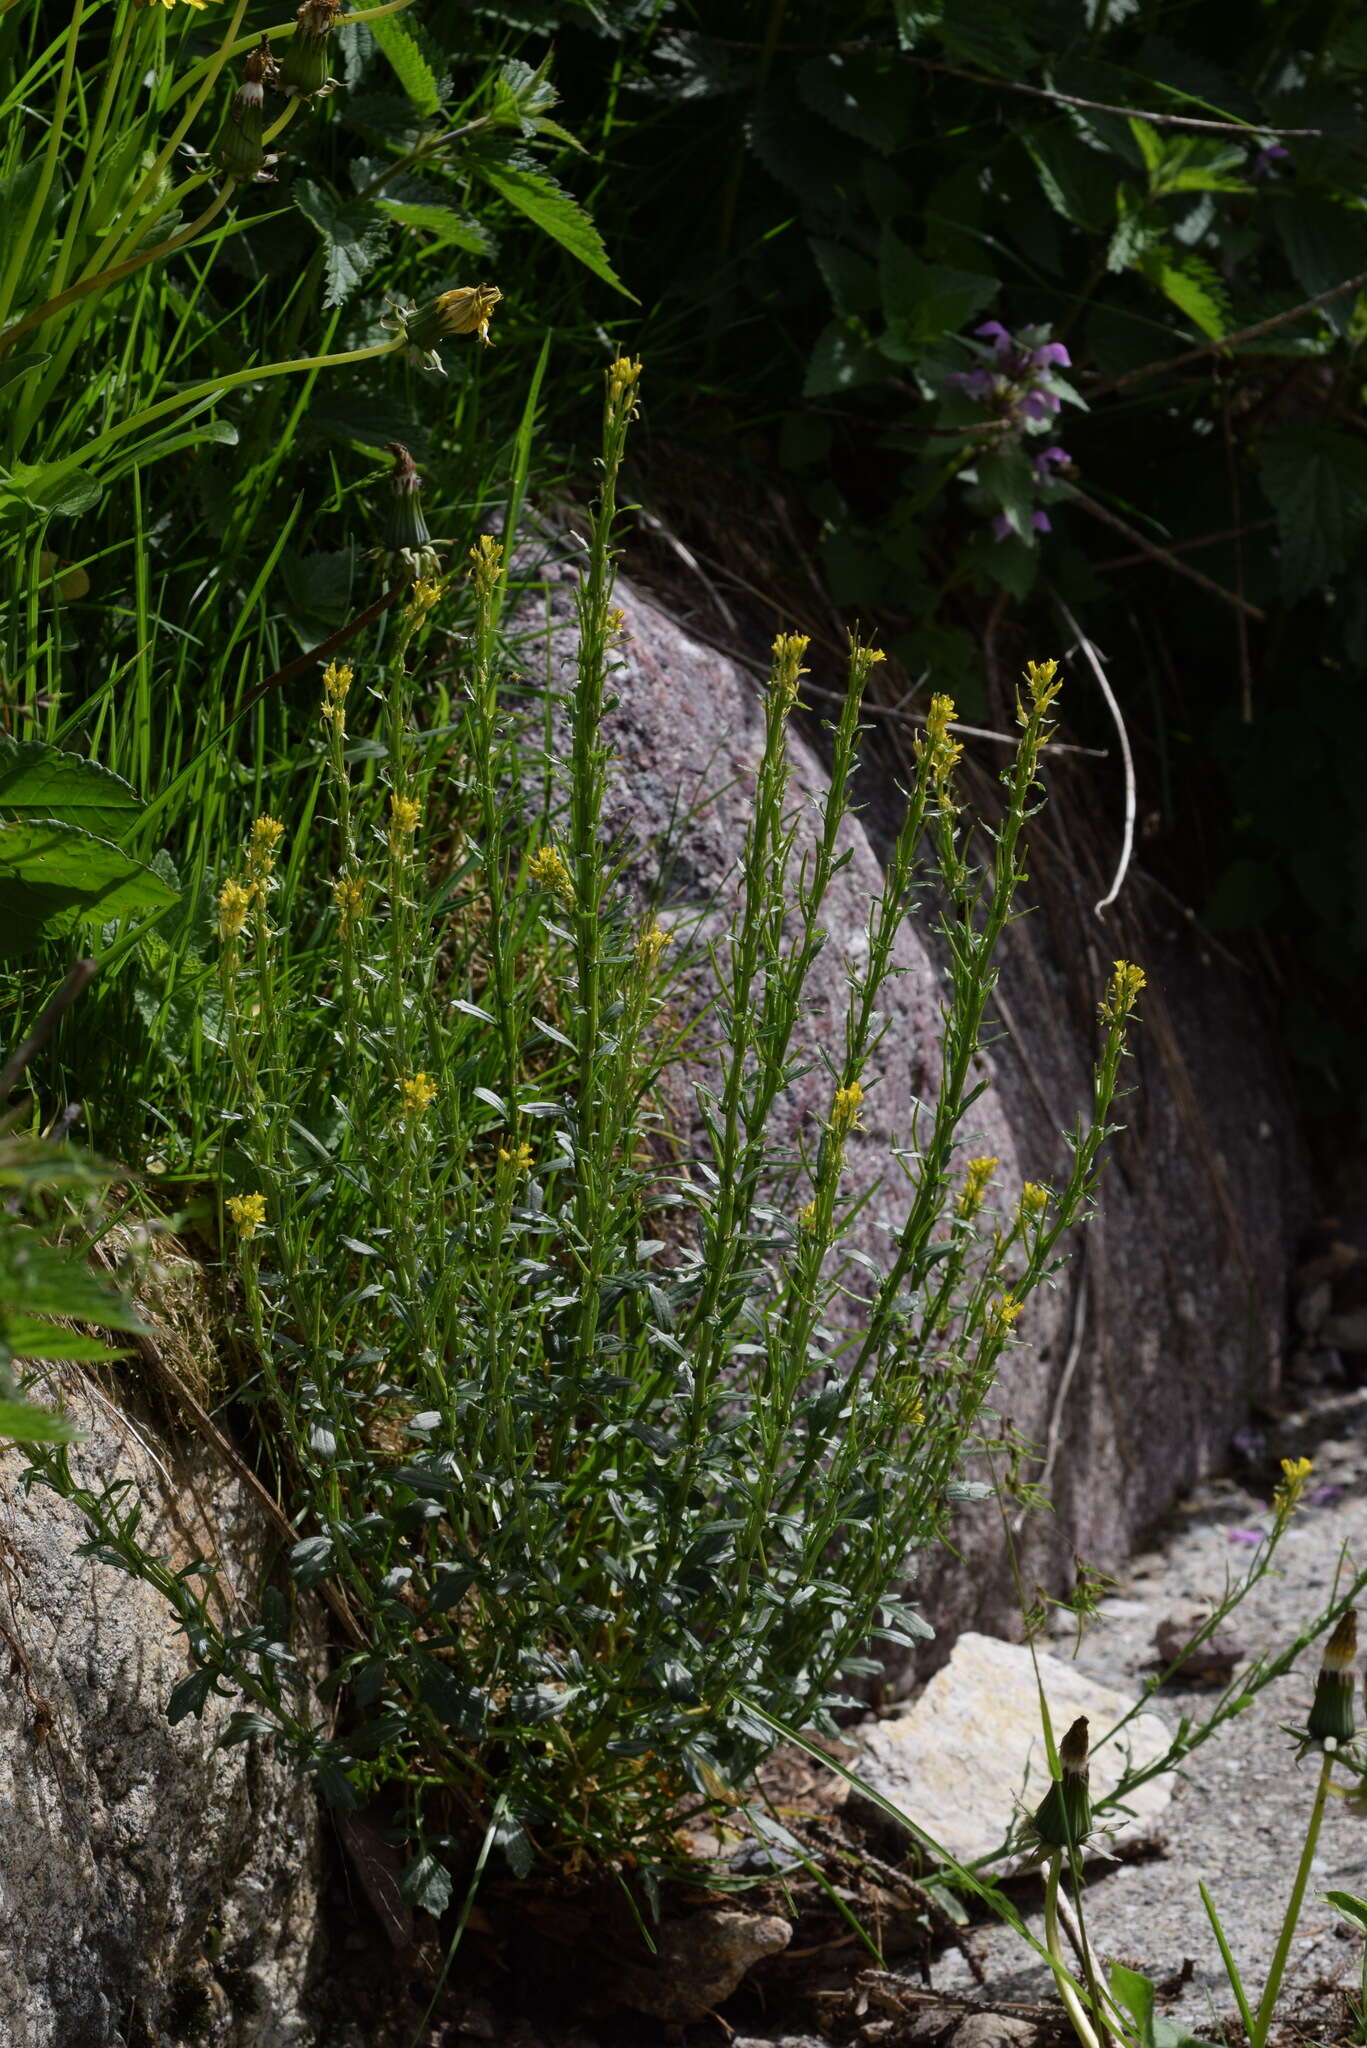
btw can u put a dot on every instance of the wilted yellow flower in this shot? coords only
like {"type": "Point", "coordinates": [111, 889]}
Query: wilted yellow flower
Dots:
{"type": "Point", "coordinates": [486, 562]}
{"type": "Point", "coordinates": [520, 1160]}
{"type": "Point", "coordinates": [979, 1173]}
{"type": "Point", "coordinates": [650, 943]}
{"type": "Point", "coordinates": [547, 870]}
{"type": "Point", "coordinates": [233, 904]}
{"type": "Point", "coordinates": [416, 1095]}
{"type": "Point", "coordinates": [248, 1213]}
{"type": "Point", "coordinates": [1005, 1311]}
{"type": "Point", "coordinates": [787, 671]}
{"type": "Point", "coordinates": [623, 377]}
{"type": "Point", "coordinates": [1122, 991]}
{"type": "Point", "coordinates": [349, 893]}
{"type": "Point", "coordinates": [845, 1110]}
{"type": "Point", "coordinates": [1034, 1200]}
{"type": "Point", "coordinates": [806, 1217]}
{"type": "Point", "coordinates": [467, 309]}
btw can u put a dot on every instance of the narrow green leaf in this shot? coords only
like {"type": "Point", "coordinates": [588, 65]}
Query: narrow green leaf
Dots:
{"type": "Point", "coordinates": [21, 1422]}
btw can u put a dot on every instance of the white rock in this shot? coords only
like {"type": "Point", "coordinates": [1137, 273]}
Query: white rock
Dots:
{"type": "Point", "coordinates": [963, 1757]}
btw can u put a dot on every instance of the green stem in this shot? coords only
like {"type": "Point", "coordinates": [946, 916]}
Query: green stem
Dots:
{"type": "Point", "coordinates": [112, 79]}
{"type": "Point", "coordinates": [85, 285]}
{"type": "Point", "coordinates": [14, 269]}
{"type": "Point", "coordinates": [1067, 1988]}
{"type": "Point", "coordinates": [1267, 2004]}
{"type": "Point", "coordinates": [217, 387]}
{"type": "Point", "coordinates": [273, 35]}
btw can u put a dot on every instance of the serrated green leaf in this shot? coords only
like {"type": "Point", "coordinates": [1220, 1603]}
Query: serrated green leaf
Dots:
{"type": "Point", "coordinates": [1316, 480]}
{"type": "Point", "coordinates": [551, 209]}
{"type": "Point", "coordinates": [451, 229]}
{"type": "Point", "coordinates": [1005, 475]}
{"type": "Point", "coordinates": [1193, 287]}
{"type": "Point", "coordinates": [427, 1884]}
{"type": "Point", "coordinates": [354, 234]}
{"type": "Point", "coordinates": [841, 361]}
{"type": "Point", "coordinates": [1078, 181]}
{"type": "Point", "coordinates": [36, 777]}
{"type": "Point", "coordinates": [407, 62]}
{"type": "Point", "coordinates": [54, 876]}
{"type": "Point", "coordinates": [851, 279]}
{"type": "Point", "coordinates": [990, 34]}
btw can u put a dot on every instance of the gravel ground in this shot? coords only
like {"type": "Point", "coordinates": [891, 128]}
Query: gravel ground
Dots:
{"type": "Point", "coordinates": [1238, 1819]}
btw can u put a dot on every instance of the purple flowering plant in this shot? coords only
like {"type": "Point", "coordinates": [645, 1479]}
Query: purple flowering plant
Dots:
{"type": "Point", "coordinates": [1013, 394]}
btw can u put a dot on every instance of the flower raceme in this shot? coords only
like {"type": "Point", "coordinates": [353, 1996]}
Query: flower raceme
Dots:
{"type": "Point", "coordinates": [248, 1213]}
{"type": "Point", "coordinates": [416, 1096]}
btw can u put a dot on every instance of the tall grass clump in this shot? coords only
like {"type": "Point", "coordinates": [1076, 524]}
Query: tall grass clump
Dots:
{"type": "Point", "coordinates": [595, 1453]}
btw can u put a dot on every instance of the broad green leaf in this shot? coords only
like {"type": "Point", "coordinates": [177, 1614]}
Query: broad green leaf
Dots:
{"type": "Point", "coordinates": [863, 93]}
{"type": "Point", "coordinates": [552, 210]}
{"type": "Point", "coordinates": [407, 62]}
{"type": "Point", "coordinates": [22, 1422]}
{"type": "Point", "coordinates": [851, 280]}
{"type": "Point", "coordinates": [428, 1884]}
{"type": "Point", "coordinates": [840, 361]}
{"type": "Point", "coordinates": [924, 301]}
{"type": "Point", "coordinates": [1351, 1907]}
{"type": "Point", "coordinates": [189, 1696]}
{"type": "Point", "coordinates": [39, 778]}
{"type": "Point", "coordinates": [54, 877]}
{"type": "Point", "coordinates": [53, 488]}
{"type": "Point", "coordinates": [1323, 244]}
{"type": "Point", "coordinates": [1316, 480]}
{"type": "Point", "coordinates": [1135, 1992]}
{"type": "Point", "coordinates": [354, 234]}
{"type": "Point", "coordinates": [989, 34]}
{"type": "Point", "coordinates": [1078, 181]}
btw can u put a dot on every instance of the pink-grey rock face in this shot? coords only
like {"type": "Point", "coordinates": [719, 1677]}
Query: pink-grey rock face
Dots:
{"type": "Point", "coordinates": [1134, 1370]}
{"type": "Point", "coordinates": [147, 1877]}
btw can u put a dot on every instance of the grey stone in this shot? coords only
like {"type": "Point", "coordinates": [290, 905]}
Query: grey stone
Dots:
{"type": "Point", "coordinates": [970, 1752]}
{"type": "Point", "coordinates": [139, 1863]}
{"type": "Point", "coordinates": [993, 2030]}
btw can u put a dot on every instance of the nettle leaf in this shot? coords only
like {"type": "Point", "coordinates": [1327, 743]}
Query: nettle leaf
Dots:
{"type": "Point", "coordinates": [54, 876]}
{"type": "Point", "coordinates": [354, 235]}
{"type": "Point", "coordinates": [1323, 245]}
{"type": "Point", "coordinates": [1078, 181]}
{"type": "Point", "coordinates": [841, 360]}
{"type": "Point", "coordinates": [37, 777]}
{"type": "Point", "coordinates": [549, 207]}
{"type": "Point", "coordinates": [1193, 286]}
{"type": "Point", "coordinates": [925, 301]}
{"type": "Point", "coordinates": [851, 280]}
{"type": "Point", "coordinates": [1316, 480]}
{"type": "Point", "coordinates": [989, 34]}
{"type": "Point", "coordinates": [450, 229]}
{"type": "Point", "coordinates": [407, 62]}
{"type": "Point", "coordinates": [863, 94]}
{"type": "Point", "coordinates": [1006, 475]}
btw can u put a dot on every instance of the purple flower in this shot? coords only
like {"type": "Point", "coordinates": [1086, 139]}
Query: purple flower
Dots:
{"type": "Point", "coordinates": [1042, 461]}
{"type": "Point", "coordinates": [1038, 405]}
{"type": "Point", "coordinates": [1041, 522]}
{"type": "Point", "coordinates": [977, 383]}
{"type": "Point", "coordinates": [1264, 164]}
{"type": "Point", "coordinates": [1002, 528]}
{"type": "Point", "coordinates": [1247, 1536]}
{"type": "Point", "coordinates": [993, 331]}
{"type": "Point", "coordinates": [1052, 352]}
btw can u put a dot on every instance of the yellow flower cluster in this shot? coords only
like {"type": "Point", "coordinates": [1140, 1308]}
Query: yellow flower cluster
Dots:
{"type": "Point", "coordinates": [405, 815]}
{"type": "Point", "coordinates": [650, 943]}
{"type": "Point", "coordinates": [1295, 1473]}
{"type": "Point", "coordinates": [266, 835]}
{"type": "Point", "coordinates": [520, 1160]}
{"type": "Point", "coordinates": [624, 375]}
{"type": "Point", "coordinates": [416, 1095]}
{"type": "Point", "coordinates": [845, 1110]}
{"type": "Point", "coordinates": [547, 870]}
{"type": "Point", "coordinates": [1122, 991]}
{"type": "Point", "coordinates": [337, 680]}
{"type": "Point", "coordinates": [1034, 1200]}
{"type": "Point", "coordinates": [248, 1213]}
{"type": "Point", "coordinates": [787, 670]}
{"type": "Point", "coordinates": [486, 563]}
{"type": "Point", "coordinates": [348, 893]}
{"type": "Point", "coordinates": [1040, 682]}
{"type": "Point", "coordinates": [806, 1217]}
{"type": "Point", "coordinates": [233, 904]}
{"type": "Point", "coordinates": [1003, 1313]}
{"type": "Point", "coordinates": [936, 748]}
{"type": "Point", "coordinates": [980, 1172]}
{"type": "Point", "coordinates": [421, 600]}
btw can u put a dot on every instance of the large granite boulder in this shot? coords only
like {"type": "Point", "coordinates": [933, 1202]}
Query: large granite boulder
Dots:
{"type": "Point", "coordinates": [1135, 1371]}
{"type": "Point", "coordinates": [154, 1887]}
